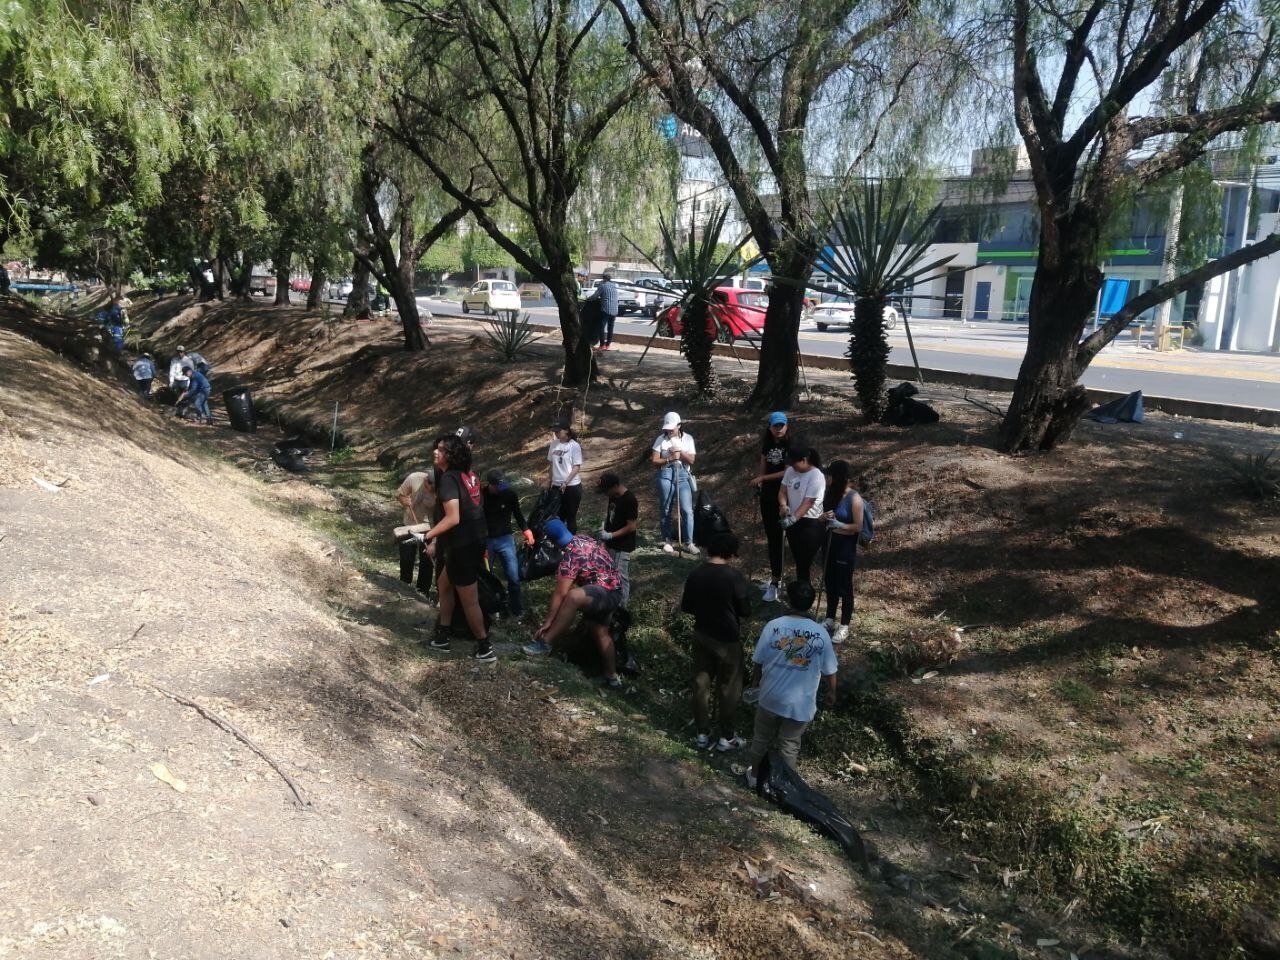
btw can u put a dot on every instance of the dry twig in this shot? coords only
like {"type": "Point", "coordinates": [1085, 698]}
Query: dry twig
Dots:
{"type": "Point", "coordinates": [240, 735]}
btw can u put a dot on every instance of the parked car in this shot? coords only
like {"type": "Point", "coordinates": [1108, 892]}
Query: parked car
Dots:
{"type": "Point", "coordinates": [300, 284]}
{"type": "Point", "coordinates": [344, 288]}
{"type": "Point", "coordinates": [492, 296]}
{"type": "Point", "coordinates": [839, 313]}
{"type": "Point", "coordinates": [658, 293]}
{"type": "Point", "coordinates": [736, 314]}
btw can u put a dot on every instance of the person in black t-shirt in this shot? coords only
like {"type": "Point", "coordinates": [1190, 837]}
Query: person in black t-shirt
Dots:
{"type": "Point", "coordinates": [461, 531]}
{"type": "Point", "coordinates": [774, 443]}
{"type": "Point", "coordinates": [501, 506]}
{"type": "Point", "coordinates": [619, 531]}
{"type": "Point", "coordinates": [716, 594]}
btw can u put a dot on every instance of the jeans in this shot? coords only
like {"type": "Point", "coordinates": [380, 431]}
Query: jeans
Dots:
{"type": "Point", "coordinates": [570, 500]}
{"type": "Point", "coordinates": [144, 385]}
{"type": "Point", "coordinates": [673, 480]}
{"type": "Point", "coordinates": [411, 552]}
{"type": "Point", "coordinates": [622, 560]}
{"type": "Point", "coordinates": [771, 730]}
{"type": "Point", "coordinates": [805, 538]}
{"type": "Point", "coordinates": [720, 665]}
{"type": "Point", "coordinates": [503, 549]}
{"type": "Point", "coordinates": [606, 328]}
{"type": "Point", "coordinates": [200, 401]}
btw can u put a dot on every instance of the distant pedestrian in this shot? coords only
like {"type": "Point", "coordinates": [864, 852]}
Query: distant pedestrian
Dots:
{"type": "Point", "coordinates": [607, 294]}
{"type": "Point", "coordinates": [800, 506]}
{"type": "Point", "coordinates": [772, 464]}
{"type": "Point", "coordinates": [197, 395]}
{"type": "Point", "coordinates": [674, 453]}
{"type": "Point", "coordinates": [586, 580]}
{"type": "Point", "coordinates": [144, 372]}
{"type": "Point", "coordinates": [461, 532]}
{"type": "Point", "coordinates": [565, 459]}
{"type": "Point", "coordinates": [177, 378]}
{"type": "Point", "coordinates": [842, 509]}
{"type": "Point", "coordinates": [793, 656]}
{"type": "Point", "coordinates": [417, 496]}
{"type": "Point", "coordinates": [716, 594]}
{"type": "Point", "coordinates": [501, 507]}
{"type": "Point", "coordinates": [619, 530]}
{"type": "Point", "coordinates": [4, 281]}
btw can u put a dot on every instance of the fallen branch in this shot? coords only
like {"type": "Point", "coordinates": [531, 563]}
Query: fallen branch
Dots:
{"type": "Point", "coordinates": [983, 405]}
{"type": "Point", "coordinates": [128, 639]}
{"type": "Point", "coordinates": [240, 735]}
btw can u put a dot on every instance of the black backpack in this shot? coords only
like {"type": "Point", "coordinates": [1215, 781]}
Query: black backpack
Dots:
{"type": "Point", "coordinates": [708, 520]}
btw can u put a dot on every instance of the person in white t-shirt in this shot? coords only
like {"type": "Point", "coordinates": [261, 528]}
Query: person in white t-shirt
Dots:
{"type": "Point", "coordinates": [800, 506]}
{"type": "Point", "coordinates": [673, 452]}
{"type": "Point", "coordinates": [417, 494]}
{"type": "Point", "coordinates": [565, 458]}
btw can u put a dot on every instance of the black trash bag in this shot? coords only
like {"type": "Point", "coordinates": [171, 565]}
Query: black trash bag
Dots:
{"type": "Point", "coordinates": [904, 411]}
{"type": "Point", "coordinates": [547, 507]}
{"type": "Point", "coordinates": [492, 595]}
{"type": "Point", "coordinates": [240, 411]}
{"type": "Point", "coordinates": [708, 520]}
{"type": "Point", "coordinates": [538, 561]}
{"type": "Point", "coordinates": [776, 781]}
{"type": "Point", "coordinates": [289, 454]}
{"type": "Point", "coordinates": [579, 646]}
{"type": "Point", "coordinates": [1121, 410]}
{"type": "Point", "coordinates": [590, 317]}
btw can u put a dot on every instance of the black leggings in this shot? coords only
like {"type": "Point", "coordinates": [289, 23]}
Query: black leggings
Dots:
{"type": "Point", "coordinates": [839, 580]}
{"type": "Point", "coordinates": [570, 500]}
{"type": "Point", "coordinates": [805, 539]}
{"type": "Point", "coordinates": [411, 550]}
{"type": "Point", "coordinates": [769, 517]}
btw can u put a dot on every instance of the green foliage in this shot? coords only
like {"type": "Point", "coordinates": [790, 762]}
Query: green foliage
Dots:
{"type": "Point", "coordinates": [510, 335]}
{"type": "Point", "coordinates": [442, 257]}
{"type": "Point", "coordinates": [479, 250]}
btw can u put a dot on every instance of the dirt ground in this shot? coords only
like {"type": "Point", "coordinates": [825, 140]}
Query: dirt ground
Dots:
{"type": "Point", "coordinates": [1058, 726]}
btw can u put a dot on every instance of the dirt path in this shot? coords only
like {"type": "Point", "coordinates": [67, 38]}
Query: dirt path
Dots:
{"type": "Point", "coordinates": [450, 810]}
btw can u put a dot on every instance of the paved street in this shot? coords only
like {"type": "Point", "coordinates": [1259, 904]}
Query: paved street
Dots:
{"type": "Point", "coordinates": [996, 349]}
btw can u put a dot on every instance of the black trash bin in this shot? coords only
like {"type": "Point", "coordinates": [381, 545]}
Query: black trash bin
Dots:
{"type": "Point", "coordinates": [240, 412]}
{"type": "Point", "coordinates": [590, 318]}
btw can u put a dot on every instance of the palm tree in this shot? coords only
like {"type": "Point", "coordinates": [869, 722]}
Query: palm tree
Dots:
{"type": "Point", "coordinates": [880, 244]}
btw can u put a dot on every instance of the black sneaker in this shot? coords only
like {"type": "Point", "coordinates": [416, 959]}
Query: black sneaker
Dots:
{"type": "Point", "coordinates": [612, 683]}
{"type": "Point", "coordinates": [440, 643]}
{"type": "Point", "coordinates": [484, 654]}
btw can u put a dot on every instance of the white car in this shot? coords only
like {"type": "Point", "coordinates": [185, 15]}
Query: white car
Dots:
{"type": "Point", "coordinates": [837, 314]}
{"type": "Point", "coordinates": [492, 296]}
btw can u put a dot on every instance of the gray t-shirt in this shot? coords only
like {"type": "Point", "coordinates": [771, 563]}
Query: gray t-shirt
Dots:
{"type": "Point", "coordinates": [794, 654]}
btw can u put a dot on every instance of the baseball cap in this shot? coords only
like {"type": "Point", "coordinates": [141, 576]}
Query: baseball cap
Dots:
{"type": "Point", "coordinates": [777, 418]}
{"type": "Point", "coordinates": [671, 421]}
{"type": "Point", "coordinates": [465, 434]}
{"type": "Point", "coordinates": [182, 349]}
{"type": "Point", "coordinates": [608, 481]}
{"type": "Point", "coordinates": [558, 532]}
{"type": "Point", "coordinates": [495, 478]}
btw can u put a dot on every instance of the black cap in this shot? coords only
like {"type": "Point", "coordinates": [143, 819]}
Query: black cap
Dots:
{"type": "Point", "coordinates": [466, 435]}
{"type": "Point", "coordinates": [608, 481]}
{"type": "Point", "coordinates": [495, 478]}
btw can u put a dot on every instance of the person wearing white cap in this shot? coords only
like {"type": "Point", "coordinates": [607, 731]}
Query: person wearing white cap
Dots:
{"type": "Point", "coordinates": [673, 452]}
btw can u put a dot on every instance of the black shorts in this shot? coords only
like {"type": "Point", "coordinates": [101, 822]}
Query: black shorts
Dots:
{"type": "Point", "coordinates": [462, 563]}
{"type": "Point", "coordinates": [600, 604]}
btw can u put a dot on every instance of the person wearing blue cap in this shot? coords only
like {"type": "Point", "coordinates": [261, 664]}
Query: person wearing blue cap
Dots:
{"type": "Point", "coordinates": [586, 580]}
{"type": "Point", "coordinates": [774, 444]}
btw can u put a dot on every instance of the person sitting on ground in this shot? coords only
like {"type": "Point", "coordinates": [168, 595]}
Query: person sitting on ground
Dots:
{"type": "Point", "coordinates": [673, 452]}
{"type": "Point", "coordinates": [793, 656]}
{"type": "Point", "coordinates": [842, 512]}
{"type": "Point", "coordinates": [716, 594]}
{"type": "Point", "coordinates": [144, 372]}
{"type": "Point", "coordinates": [196, 394]}
{"type": "Point", "coordinates": [618, 533]}
{"type": "Point", "coordinates": [586, 580]}
{"type": "Point", "coordinates": [565, 459]}
{"type": "Point", "coordinates": [501, 506]}
{"type": "Point", "coordinates": [461, 531]}
{"type": "Point", "coordinates": [417, 495]}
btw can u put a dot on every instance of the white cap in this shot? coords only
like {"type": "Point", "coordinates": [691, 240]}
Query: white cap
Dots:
{"type": "Point", "coordinates": [671, 421]}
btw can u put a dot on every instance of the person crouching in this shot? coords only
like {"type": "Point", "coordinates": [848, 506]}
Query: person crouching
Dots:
{"type": "Point", "coordinates": [586, 580]}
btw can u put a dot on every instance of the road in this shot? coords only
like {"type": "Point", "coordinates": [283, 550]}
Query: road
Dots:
{"type": "Point", "coordinates": [995, 349]}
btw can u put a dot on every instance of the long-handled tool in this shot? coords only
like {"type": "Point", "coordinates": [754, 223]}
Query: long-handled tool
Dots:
{"type": "Point", "coordinates": [826, 560]}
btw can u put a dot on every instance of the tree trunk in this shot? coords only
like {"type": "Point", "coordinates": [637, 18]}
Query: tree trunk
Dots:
{"type": "Point", "coordinates": [868, 354]}
{"type": "Point", "coordinates": [220, 276]}
{"type": "Point", "coordinates": [358, 299]}
{"type": "Point", "coordinates": [400, 287]}
{"type": "Point", "coordinates": [1048, 399]}
{"type": "Point", "coordinates": [695, 344]}
{"type": "Point", "coordinates": [316, 289]}
{"type": "Point", "coordinates": [579, 365]}
{"type": "Point", "coordinates": [280, 261]}
{"type": "Point", "coordinates": [244, 279]}
{"type": "Point", "coordinates": [779, 349]}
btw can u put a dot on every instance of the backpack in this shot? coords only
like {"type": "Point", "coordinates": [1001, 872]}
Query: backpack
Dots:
{"type": "Point", "coordinates": [708, 520]}
{"type": "Point", "coordinates": [868, 531]}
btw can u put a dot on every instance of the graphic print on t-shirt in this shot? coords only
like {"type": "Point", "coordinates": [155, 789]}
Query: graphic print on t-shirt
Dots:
{"type": "Point", "coordinates": [798, 646]}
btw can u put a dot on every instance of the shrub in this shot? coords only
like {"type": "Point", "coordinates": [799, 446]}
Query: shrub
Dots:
{"type": "Point", "coordinates": [1258, 474]}
{"type": "Point", "coordinates": [510, 334]}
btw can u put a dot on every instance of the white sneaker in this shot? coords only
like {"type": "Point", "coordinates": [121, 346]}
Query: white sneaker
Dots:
{"type": "Point", "coordinates": [771, 593]}
{"type": "Point", "coordinates": [668, 548]}
{"type": "Point", "coordinates": [701, 741]}
{"type": "Point", "coordinates": [841, 634]}
{"type": "Point", "coordinates": [828, 624]}
{"type": "Point", "coordinates": [750, 777]}
{"type": "Point", "coordinates": [690, 549]}
{"type": "Point", "coordinates": [724, 746]}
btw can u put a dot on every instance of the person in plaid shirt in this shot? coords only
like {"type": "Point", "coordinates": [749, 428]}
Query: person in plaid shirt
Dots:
{"type": "Point", "coordinates": [586, 580]}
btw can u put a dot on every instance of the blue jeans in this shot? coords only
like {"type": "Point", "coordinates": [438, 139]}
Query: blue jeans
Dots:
{"type": "Point", "coordinates": [673, 480]}
{"type": "Point", "coordinates": [606, 328]}
{"type": "Point", "coordinates": [503, 549]}
{"type": "Point", "coordinates": [200, 401]}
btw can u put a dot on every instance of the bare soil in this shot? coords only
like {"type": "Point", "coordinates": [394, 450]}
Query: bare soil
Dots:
{"type": "Point", "coordinates": [1058, 722]}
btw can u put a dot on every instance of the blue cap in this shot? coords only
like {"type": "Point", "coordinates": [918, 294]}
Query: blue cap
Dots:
{"type": "Point", "coordinates": [558, 532]}
{"type": "Point", "coordinates": [776, 418]}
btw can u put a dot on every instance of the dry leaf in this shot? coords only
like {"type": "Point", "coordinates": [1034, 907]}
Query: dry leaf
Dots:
{"type": "Point", "coordinates": [1047, 943]}
{"type": "Point", "coordinates": [161, 772]}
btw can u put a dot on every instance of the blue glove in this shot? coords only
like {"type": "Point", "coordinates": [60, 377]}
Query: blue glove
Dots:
{"type": "Point", "coordinates": [787, 521]}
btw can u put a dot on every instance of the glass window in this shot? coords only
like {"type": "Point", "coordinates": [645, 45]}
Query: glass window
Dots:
{"type": "Point", "coordinates": [506, 286]}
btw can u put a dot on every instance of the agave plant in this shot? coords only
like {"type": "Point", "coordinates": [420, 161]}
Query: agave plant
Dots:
{"type": "Point", "coordinates": [701, 264]}
{"type": "Point", "coordinates": [510, 333]}
{"type": "Point", "coordinates": [879, 249]}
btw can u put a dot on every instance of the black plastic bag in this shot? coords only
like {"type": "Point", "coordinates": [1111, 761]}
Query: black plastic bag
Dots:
{"type": "Point", "coordinates": [903, 411]}
{"type": "Point", "coordinates": [492, 595]}
{"type": "Point", "coordinates": [1121, 410]}
{"type": "Point", "coordinates": [547, 507]}
{"type": "Point", "coordinates": [708, 520]}
{"type": "Point", "coordinates": [538, 561]}
{"type": "Point", "coordinates": [776, 781]}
